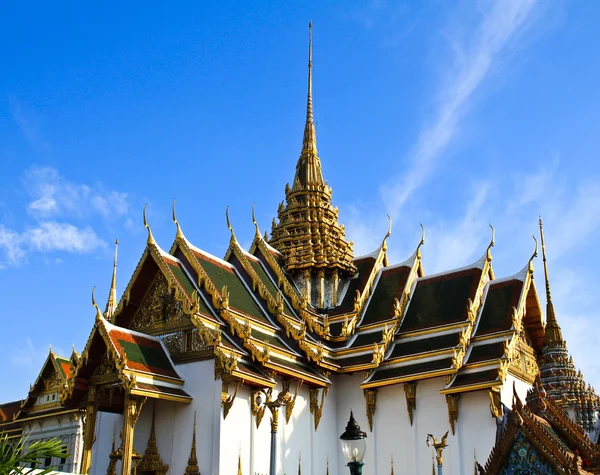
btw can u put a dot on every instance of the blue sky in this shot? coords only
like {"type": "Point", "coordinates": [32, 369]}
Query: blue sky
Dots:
{"type": "Point", "coordinates": [450, 114]}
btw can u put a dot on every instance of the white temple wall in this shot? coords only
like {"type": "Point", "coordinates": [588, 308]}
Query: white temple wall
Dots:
{"type": "Point", "coordinates": [350, 398]}
{"type": "Point", "coordinates": [506, 393]}
{"type": "Point", "coordinates": [106, 422]}
{"type": "Point", "coordinates": [476, 429]}
{"type": "Point", "coordinates": [178, 423]}
{"type": "Point", "coordinates": [235, 433]}
{"type": "Point", "coordinates": [294, 439]}
{"type": "Point", "coordinates": [326, 440]}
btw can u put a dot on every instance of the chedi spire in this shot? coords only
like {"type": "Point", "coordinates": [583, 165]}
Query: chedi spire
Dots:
{"type": "Point", "coordinates": [307, 233]}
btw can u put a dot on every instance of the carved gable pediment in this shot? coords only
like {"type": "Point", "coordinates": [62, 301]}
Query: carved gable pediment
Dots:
{"type": "Point", "coordinates": [159, 309]}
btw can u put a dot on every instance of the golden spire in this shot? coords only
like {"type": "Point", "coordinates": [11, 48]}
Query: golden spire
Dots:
{"type": "Point", "coordinates": [392, 466]}
{"type": "Point", "coordinates": [300, 463]}
{"type": "Point", "coordinates": [308, 168]}
{"type": "Point", "coordinates": [553, 331]}
{"type": "Point", "coordinates": [192, 467]}
{"type": "Point", "coordinates": [327, 472]}
{"type": "Point", "coordinates": [111, 303]}
{"type": "Point", "coordinates": [239, 472]}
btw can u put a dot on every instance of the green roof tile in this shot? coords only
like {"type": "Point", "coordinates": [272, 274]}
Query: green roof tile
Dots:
{"type": "Point", "coordinates": [389, 287]}
{"type": "Point", "coordinates": [497, 308]}
{"type": "Point", "coordinates": [441, 300]}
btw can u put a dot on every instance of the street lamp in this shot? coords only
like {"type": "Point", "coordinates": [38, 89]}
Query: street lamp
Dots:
{"type": "Point", "coordinates": [354, 446]}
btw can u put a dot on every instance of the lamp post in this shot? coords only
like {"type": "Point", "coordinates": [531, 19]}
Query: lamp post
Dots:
{"type": "Point", "coordinates": [354, 446]}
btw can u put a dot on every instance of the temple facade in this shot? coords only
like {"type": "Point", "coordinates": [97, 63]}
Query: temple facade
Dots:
{"type": "Point", "coordinates": [252, 363]}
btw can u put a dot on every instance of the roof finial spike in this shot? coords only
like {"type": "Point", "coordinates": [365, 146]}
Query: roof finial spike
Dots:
{"type": "Point", "coordinates": [388, 234]}
{"type": "Point", "coordinates": [533, 256]}
{"type": "Point", "coordinates": [98, 312]}
{"type": "Point", "coordinates": [229, 224]}
{"type": "Point", "coordinates": [179, 234]}
{"type": "Point", "coordinates": [421, 242]}
{"type": "Point", "coordinates": [553, 332]}
{"type": "Point", "coordinates": [51, 348]}
{"type": "Point", "coordinates": [150, 236]}
{"type": "Point", "coordinates": [111, 303]}
{"type": "Point", "coordinates": [492, 243]}
{"type": "Point", "coordinates": [257, 233]}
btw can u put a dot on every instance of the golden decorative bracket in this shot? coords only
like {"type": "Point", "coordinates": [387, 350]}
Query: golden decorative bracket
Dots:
{"type": "Point", "coordinates": [289, 405]}
{"type": "Point", "coordinates": [370, 403]}
{"type": "Point", "coordinates": [258, 410]}
{"type": "Point", "coordinates": [452, 401]}
{"type": "Point", "coordinates": [227, 400]}
{"type": "Point", "coordinates": [495, 403]}
{"type": "Point", "coordinates": [315, 408]}
{"type": "Point", "coordinates": [410, 391]}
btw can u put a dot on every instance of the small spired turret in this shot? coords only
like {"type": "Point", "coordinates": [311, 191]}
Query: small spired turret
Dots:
{"type": "Point", "coordinates": [559, 377]}
{"type": "Point", "coordinates": [313, 244]}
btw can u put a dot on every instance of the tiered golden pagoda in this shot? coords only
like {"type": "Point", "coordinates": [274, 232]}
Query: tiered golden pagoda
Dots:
{"type": "Point", "coordinates": [308, 234]}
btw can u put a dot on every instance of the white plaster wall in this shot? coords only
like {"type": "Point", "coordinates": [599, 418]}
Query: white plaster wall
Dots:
{"type": "Point", "coordinates": [476, 430]}
{"type": "Point", "coordinates": [506, 393]}
{"type": "Point", "coordinates": [177, 420]}
{"type": "Point", "coordinates": [393, 435]}
{"type": "Point", "coordinates": [349, 397]}
{"type": "Point", "coordinates": [296, 438]}
{"type": "Point", "coordinates": [105, 424]}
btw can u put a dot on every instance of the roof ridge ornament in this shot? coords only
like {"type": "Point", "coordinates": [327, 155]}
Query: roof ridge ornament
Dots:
{"type": "Point", "coordinates": [179, 234]}
{"type": "Point", "coordinates": [388, 234]}
{"type": "Point", "coordinates": [257, 233]}
{"type": "Point", "coordinates": [533, 256]}
{"type": "Point", "coordinates": [421, 242]}
{"type": "Point", "coordinates": [98, 312]}
{"type": "Point", "coordinates": [492, 244]}
{"type": "Point", "coordinates": [147, 226]}
{"type": "Point", "coordinates": [233, 238]}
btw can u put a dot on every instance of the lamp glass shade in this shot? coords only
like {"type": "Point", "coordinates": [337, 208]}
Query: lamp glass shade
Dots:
{"type": "Point", "coordinates": [354, 450]}
{"type": "Point", "coordinates": [354, 444]}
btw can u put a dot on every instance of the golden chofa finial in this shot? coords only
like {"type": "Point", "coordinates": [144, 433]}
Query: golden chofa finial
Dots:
{"type": "Point", "coordinates": [421, 242]}
{"type": "Point", "coordinates": [533, 256]}
{"type": "Point", "coordinates": [98, 312]}
{"type": "Point", "coordinates": [492, 243]}
{"type": "Point", "coordinates": [150, 236]}
{"type": "Point", "coordinates": [179, 233]}
{"type": "Point", "coordinates": [229, 224]}
{"type": "Point", "coordinates": [388, 234]}
{"type": "Point", "coordinates": [257, 231]}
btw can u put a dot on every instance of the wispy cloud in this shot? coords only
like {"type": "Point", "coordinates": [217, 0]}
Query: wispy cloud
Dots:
{"type": "Point", "coordinates": [55, 202]}
{"type": "Point", "coordinates": [501, 22]}
{"type": "Point", "coordinates": [33, 355]}
{"type": "Point", "coordinates": [52, 195]}
{"type": "Point", "coordinates": [47, 236]}
{"type": "Point", "coordinates": [29, 123]}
